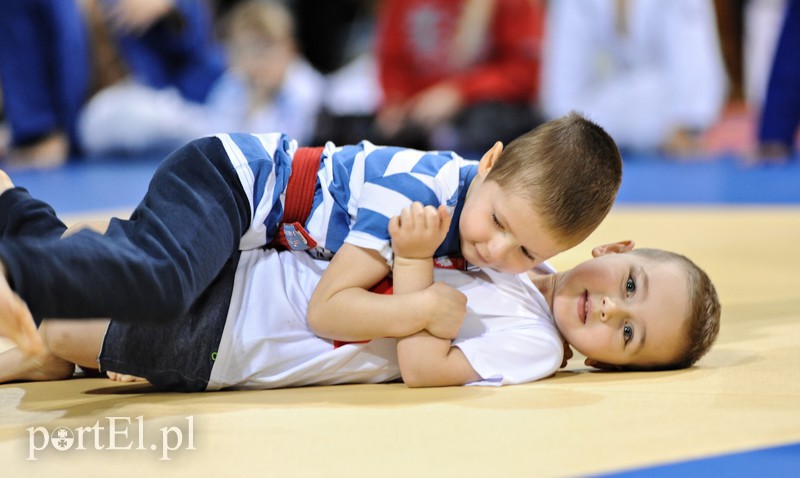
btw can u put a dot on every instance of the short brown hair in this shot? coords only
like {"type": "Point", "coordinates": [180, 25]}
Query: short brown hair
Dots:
{"type": "Point", "coordinates": [703, 317]}
{"type": "Point", "coordinates": [569, 168]}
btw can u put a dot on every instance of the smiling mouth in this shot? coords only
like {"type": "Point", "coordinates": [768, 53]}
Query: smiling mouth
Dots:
{"type": "Point", "coordinates": [480, 257]}
{"type": "Point", "coordinates": [583, 306]}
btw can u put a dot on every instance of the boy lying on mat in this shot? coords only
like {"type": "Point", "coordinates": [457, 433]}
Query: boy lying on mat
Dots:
{"type": "Point", "coordinates": [623, 309]}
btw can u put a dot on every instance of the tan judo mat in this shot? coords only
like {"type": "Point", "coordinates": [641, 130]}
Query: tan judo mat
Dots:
{"type": "Point", "coordinates": [744, 394]}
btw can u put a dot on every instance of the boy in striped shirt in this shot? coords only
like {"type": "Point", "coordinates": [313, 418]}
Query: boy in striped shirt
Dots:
{"type": "Point", "coordinates": [519, 205]}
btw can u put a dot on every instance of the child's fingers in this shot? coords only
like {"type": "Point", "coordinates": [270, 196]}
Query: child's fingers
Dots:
{"type": "Point", "coordinates": [407, 217]}
{"type": "Point", "coordinates": [431, 218]}
{"type": "Point", "coordinates": [394, 225]}
{"type": "Point", "coordinates": [418, 213]}
{"type": "Point", "coordinates": [417, 216]}
{"type": "Point", "coordinates": [444, 218]}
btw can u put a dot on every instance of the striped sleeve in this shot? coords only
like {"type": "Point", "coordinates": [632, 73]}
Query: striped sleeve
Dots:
{"type": "Point", "coordinates": [393, 179]}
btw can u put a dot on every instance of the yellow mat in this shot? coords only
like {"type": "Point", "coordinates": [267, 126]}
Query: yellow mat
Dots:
{"type": "Point", "coordinates": [744, 394]}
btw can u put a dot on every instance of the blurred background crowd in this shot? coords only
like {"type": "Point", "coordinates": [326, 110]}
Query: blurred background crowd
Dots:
{"type": "Point", "coordinates": [680, 80]}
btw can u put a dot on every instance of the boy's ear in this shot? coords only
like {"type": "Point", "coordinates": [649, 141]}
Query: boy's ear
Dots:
{"type": "Point", "coordinates": [488, 160]}
{"type": "Point", "coordinates": [602, 365]}
{"type": "Point", "coordinates": [613, 248]}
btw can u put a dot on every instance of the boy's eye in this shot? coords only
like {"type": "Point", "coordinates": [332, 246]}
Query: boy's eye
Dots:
{"type": "Point", "coordinates": [496, 222]}
{"type": "Point", "coordinates": [630, 286]}
{"type": "Point", "coordinates": [527, 254]}
{"type": "Point", "coordinates": [627, 333]}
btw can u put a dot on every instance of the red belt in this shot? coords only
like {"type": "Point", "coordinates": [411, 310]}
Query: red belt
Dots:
{"type": "Point", "coordinates": [298, 201]}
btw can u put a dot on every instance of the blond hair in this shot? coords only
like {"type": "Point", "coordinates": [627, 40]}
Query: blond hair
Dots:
{"type": "Point", "coordinates": [569, 169]}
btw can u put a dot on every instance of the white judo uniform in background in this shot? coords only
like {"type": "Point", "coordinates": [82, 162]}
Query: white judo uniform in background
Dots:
{"type": "Point", "coordinates": [664, 71]}
{"type": "Point", "coordinates": [508, 334]}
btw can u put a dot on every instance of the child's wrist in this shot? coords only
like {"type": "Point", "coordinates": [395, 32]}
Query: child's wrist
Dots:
{"type": "Point", "coordinates": [404, 261]}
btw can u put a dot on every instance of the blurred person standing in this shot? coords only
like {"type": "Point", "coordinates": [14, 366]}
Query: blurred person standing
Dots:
{"type": "Point", "coordinates": [780, 113]}
{"type": "Point", "coordinates": [457, 74]}
{"type": "Point", "coordinates": [649, 71]}
{"type": "Point", "coordinates": [44, 76]}
{"type": "Point", "coordinates": [749, 31]}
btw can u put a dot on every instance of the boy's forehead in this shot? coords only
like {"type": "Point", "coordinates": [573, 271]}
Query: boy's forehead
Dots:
{"type": "Point", "coordinates": [663, 275]}
{"type": "Point", "coordinates": [665, 265]}
{"type": "Point", "coordinates": [667, 308]}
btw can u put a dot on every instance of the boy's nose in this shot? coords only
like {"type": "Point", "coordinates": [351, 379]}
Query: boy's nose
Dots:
{"type": "Point", "coordinates": [499, 246]}
{"type": "Point", "coordinates": [609, 310]}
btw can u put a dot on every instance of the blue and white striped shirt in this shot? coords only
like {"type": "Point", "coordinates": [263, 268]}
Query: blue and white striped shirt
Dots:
{"type": "Point", "coordinates": [359, 188]}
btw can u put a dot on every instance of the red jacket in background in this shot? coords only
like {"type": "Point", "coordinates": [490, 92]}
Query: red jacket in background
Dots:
{"type": "Point", "coordinates": [416, 43]}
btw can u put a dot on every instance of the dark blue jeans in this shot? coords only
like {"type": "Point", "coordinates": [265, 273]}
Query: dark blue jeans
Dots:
{"type": "Point", "coordinates": [174, 262]}
{"type": "Point", "coordinates": [149, 268]}
{"type": "Point", "coordinates": [177, 356]}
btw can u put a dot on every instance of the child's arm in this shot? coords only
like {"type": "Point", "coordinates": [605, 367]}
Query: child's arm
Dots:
{"type": "Point", "coordinates": [425, 360]}
{"type": "Point", "coordinates": [342, 307]}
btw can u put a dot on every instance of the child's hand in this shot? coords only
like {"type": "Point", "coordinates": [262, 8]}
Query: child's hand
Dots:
{"type": "Point", "coordinates": [416, 233]}
{"type": "Point", "coordinates": [448, 311]}
{"type": "Point", "coordinates": [418, 230]}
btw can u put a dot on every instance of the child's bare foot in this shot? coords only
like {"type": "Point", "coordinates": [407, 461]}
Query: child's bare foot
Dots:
{"type": "Point", "coordinates": [121, 377]}
{"type": "Point", "coordinates": [5, 182]}
{"type": "Point", "coordinates": [16, 365]}
{"type": "Point", "coordinates": [16, 321]}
